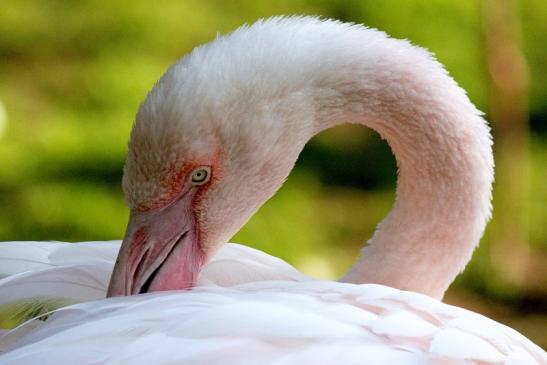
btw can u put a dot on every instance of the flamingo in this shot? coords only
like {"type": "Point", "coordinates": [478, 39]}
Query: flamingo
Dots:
{"type": "Point", "coordinates": [214, 139]}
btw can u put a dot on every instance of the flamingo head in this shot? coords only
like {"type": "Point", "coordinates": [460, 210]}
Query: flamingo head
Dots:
{"type": "Point", "coordinates": [206, 150]}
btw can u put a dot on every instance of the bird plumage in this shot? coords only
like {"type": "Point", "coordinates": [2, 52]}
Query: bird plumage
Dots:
{"type": "Point", "coordinates": [263, 311]}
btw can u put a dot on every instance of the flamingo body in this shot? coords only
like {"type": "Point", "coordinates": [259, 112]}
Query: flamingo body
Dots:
{"type": "Point", "coordinates": [283, 318]}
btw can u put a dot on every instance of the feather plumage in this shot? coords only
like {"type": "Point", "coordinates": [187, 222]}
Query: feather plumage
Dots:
{"type": "Point", "coordinates": [270, 314]}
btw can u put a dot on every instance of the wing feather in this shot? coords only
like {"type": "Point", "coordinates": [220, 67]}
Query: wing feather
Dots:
{"type": "Point", "coordinates": [266, 312]}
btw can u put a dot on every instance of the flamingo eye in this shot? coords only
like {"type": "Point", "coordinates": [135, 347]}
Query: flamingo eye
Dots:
{"type": "Point", "coordinates": [200, 175]}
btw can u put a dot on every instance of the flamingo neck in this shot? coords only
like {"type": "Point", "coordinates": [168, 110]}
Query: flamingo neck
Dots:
{"type": "Point", "coordinates": [279, 82]}
{"type": "Point", "coordinates": [443, 152]}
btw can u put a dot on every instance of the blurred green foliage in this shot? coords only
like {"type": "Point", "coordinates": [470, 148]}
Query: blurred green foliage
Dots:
{"type": "Point", "coordinates": [72, 74]}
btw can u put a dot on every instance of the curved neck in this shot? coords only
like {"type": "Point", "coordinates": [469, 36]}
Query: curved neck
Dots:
{"type": "Point", "coordinates": [443, 152]}
{"type": "Point", "coordinates": [287, 79]}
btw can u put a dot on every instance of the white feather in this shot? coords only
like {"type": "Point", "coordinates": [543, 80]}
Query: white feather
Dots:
{"type": "Point", "coordinates": [288, 321]}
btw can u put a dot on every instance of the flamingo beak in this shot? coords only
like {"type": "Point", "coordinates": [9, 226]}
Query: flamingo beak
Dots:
{"type": "Point", "coordinates": [160, 251]}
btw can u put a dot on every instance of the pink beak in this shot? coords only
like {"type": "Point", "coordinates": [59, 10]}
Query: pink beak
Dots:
{"type": "Point", "coordinates": [160, 251]}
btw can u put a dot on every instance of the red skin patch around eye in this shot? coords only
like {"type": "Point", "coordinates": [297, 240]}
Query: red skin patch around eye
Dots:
{"type": "Point", "coordinates": [176, 181]}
